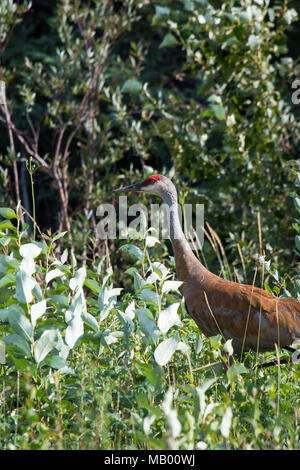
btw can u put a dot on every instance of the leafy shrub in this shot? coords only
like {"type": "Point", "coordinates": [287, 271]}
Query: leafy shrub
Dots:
{"type": "Point", "coordinates": [89, 366]}
{"type": "Point", "coordinates": [195, 90]}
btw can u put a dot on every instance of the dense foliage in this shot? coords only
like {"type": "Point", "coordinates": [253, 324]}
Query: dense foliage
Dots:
{"type": "Point", "coordinates": [91, 366]}
{"type": "Point", "coordinates": [196, 90]}
{"type": "Point", "coordinates": [99, 350]}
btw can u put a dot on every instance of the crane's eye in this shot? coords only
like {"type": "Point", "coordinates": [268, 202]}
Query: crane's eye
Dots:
{"type": "Point", "coordinates": [151, 180]}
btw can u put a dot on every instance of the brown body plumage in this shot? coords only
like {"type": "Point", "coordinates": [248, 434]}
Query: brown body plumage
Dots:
{"type": "Point", "coordinates": [253, 318]}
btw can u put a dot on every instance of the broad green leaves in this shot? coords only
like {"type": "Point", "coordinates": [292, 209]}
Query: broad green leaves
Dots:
{"type": "Point", "coordinates": [170, 286]}
{"type": "Point", "coordinates": [134, 251]}
{"type": "Point", "coordinates": [172, 420]}
{"type": "Point", "coordinates": [54, 273]}
{"type": "Point", "coordinates": [132, 86]}
{"type": "Point", "coordinates": [169, 41]}
{"type": "Point", "coordinates": [79, 278]}
{"type": "Point", "coordinates": [24, 287]}
{"type": "Point", "coordinates": [30, 331]}
{"type": "Point", "coordinates": [18, 341]}
{"type": "Point", "coordinates": [25, 283]}
{"type": "Point", "coordinates": [7, 280]}
{"type": "Point", "coordinates": [107, 299]}
{"type": "Point", "coordinates": [37, 310]}
{"type": "Point", "coordinates": [147, 324]}
{"type": "Point", "coordinates": [30, 250]}
{"type": "Point", "coordinates": [6, 224]}
{"type": "Point", "coordinates": [165, 350]}
{"type": "Point", "coordinates": [45, 344]}
{"type": "Point", "coordinates": [8, 213]}
{"type": "Point", "coordinates": [74, 318]}
{"type": "Point", "coordinates": [226, 422]}
{"type": "Point", "coordinates": [149, 296]}
{"type": "Point", "coordinates": [168, 318]}
{"type": "Point", "coordinates": [19, 323]}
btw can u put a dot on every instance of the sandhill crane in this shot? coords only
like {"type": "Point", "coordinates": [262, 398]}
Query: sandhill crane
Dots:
{"type": "Point", "coordinates": [252, 317]}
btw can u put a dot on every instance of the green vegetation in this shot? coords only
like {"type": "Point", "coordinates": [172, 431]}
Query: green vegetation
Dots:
{"type": "Point", "coordinates": [100, 352]}
{"type": "Point", "coordinates": [91, 366]}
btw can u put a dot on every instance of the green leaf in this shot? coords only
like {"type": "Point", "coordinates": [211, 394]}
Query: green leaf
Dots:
{"type": "Point", "coordinates": [199, 403]}
{"type": "Point", "coordinates": [107, 300]}
{"type": "Point", "coordinates": [45, 344]}
{"type": "Point", "coordinates": [37, 291]}
{"type": "Point", "coordinates": [161, 270]}
{"type": "Point", "coordinates": [75, 328]}
{"type": "Point", "coordinates": [108, 338]}
{"type": "Point", "coordinates": [58, 236]}
{"type": "Point", "coordinates": [61, 346]}
{"type": "Point", "coordinates": [73, 259]}
{"type": "Point", "coordinates": [53, 274]}
{"type": "Point", "coordinates": [7, 262]}
{"type": "Point", "coordinates": [8, 213]}
{"type": "Point", "coordinates": [28, 265]}
{"type": "Point", "coordinates": [161, 15]}
{"type": "Point", "coordinates": [134, 251]}
{"type": "Point", "coordinates": [64, 256]}
{"type": "Point", "coordinates": [37, 310]}
{"type": "Point", "coordinates": [138, 281]}
{"type": "Point", "coordinates": [297, 180]}
{"type": "Point", "coordinates": [165, 350]}
{"type": "Point", "coordinates": [132, 86]}
{"type": "Point", "coordinates": [17, 340]}
{"type": "Point", "coordinates": [147, 324]}
{"type": "Point", "coordinates": [130, 309]}
{"type": "Point", "coordinates": [74, 331]}
{"type": "Point", "coordinates": [151, 241]}
{"type": "Point", "coordinates": [78, 279]}
{"type": "Point", "coordinates": [228, 347]}
{"type": "Point", "coordinates": [219, 111]}
{"type": "Point", "coordinates": [199, 344]}
{"type": "Point", "coordinates": [55, 361]}
{"type": "Point", "coordinates": [226, 423]}
{"type": "Point", "coordinates": [150, 296]}
{"type": "Point", "coordinates": [169, 41]}
{"type": "Point", "coordinates": [297, 242]}
{"type": "Point", "coordinates": [172, 420]}
{"type": "Point", "coordinates": [4, 314]}
{"type": "Point", "coordinates": [127, 323]}
{"type": "Point", "coordinates": [253, 41]}
{"type": "Point", "coordinates": [19, 323]}
{"type": "Point", "coordinates": [59, 300]}
{"type": "Point", "coordinates": [90, 320]}
{"type": "Point", "coordinates": [215, 341]}
{"type": "Point", "coordinates": [6, 224]}
{"type": "Point", "coordinates": [24, 286]}
{"type": "Point", "coordinates": [92, 285]}
{"type": "Point", "coordinates": [153, 375]}
{"type": "Point", "coordinates": [235, 370]}
{"type": "Point", "coordinates": [171, 285]}
{"type": "Point", "coordinates": [7, 280]}
{"type": "Point", "coordinates": [297, 286]}
{"type": "Point", "coordinates": [30, 250]}
{"type": "Point", "coordinates": [4, 239]}
{"type": "Point", "coordinates": [25, 366]}
{"type": "Point", "coordinates": [168, 318]}
{"type": "Point", "coordinates": [296, 202]}
{"type": "Point", "coordinates": [183, 347]}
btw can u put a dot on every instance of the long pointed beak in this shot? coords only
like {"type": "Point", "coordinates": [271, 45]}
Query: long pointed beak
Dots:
{"type": "Point", "coordinates": [132, 187]}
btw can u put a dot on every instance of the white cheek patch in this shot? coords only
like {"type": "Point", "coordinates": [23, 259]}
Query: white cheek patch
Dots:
{"type": "Point", "coordinates": [152, 189]}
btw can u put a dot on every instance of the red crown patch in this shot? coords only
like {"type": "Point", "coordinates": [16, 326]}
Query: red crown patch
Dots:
{"type": "Point", "coordinates": [151, 179]}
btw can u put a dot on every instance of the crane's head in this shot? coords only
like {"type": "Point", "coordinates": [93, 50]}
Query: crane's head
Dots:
{"type": "Point", "coordinates": [154, 184]}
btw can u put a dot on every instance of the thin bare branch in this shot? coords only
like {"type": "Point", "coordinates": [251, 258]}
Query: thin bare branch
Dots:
{"type": "Point", "coordinates": [12, 146]}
